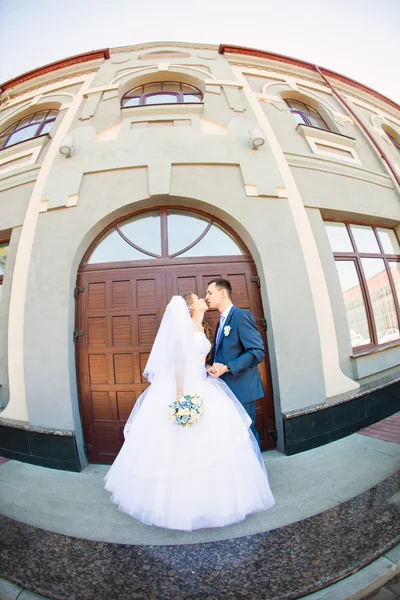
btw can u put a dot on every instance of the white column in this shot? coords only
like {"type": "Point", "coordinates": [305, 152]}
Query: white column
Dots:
{"type": "Point", "coordinates": [336, 382]}
{"type": "Point", "coordinates": [17, 406]}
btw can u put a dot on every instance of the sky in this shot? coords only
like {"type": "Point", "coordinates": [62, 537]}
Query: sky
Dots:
{"type": "Point", "coordinates": [357, 38]}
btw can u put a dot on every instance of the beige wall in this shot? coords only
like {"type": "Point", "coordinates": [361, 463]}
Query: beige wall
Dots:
{"type": "Point", "coordinates": [275, 199]}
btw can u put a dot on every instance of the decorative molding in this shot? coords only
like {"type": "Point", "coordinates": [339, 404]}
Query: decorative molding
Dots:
{"type": "Point", "coordinates": [23, 176]}
{"type": "Point", "coordinates": [59, 64]}
{"type": "Point", "coordinates": [162, 109]}
{"type": "Point", "coordinates": [45, 89]}
{"type": "Point", "coordinates": [337, 167]}
{"type": "Point", "coordinates": [30, 153]}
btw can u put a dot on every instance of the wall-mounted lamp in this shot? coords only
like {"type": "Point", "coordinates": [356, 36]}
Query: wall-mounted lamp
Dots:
{"type": "Point", "coordinates": [67, 146]}
{"type": "Point", "coordinates": [256, 138]}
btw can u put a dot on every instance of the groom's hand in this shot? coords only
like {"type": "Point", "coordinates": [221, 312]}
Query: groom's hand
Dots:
{"type": "Point", "coordinates": [211, 370]}
{"type": "Point", "coordinates": [219, 369]}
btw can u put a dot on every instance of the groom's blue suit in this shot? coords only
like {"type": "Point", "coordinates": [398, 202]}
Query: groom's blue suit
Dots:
{"type": "Point", "coordinates": [241, 350]}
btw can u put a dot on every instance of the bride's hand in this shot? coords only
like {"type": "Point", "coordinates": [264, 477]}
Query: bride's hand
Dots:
{"type": "Point", "coordinates": [211, 370]}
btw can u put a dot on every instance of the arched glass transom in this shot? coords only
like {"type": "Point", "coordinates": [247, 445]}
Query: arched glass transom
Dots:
{"type": "Point", "coordinates": [164, 233]}
{"type": "Point", "coordinates": [28, 127]}
{"type": "Point", "coordinates": [162, 92]}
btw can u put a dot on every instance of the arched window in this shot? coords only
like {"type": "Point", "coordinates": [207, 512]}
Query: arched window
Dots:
{"type": "Point", "coordinates": [305, 114]}
{"type": "Point", "coordinates": [164, 234]}
{"type": "Point", "coordinates": [28, 127]}
{"type": "Point", "coordinates": [395, 141]}
{"type": "Point", "coordinates": [162, 92]}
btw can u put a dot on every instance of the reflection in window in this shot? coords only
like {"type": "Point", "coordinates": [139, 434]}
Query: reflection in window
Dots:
{"type": "Point", "coordinates": [395, 141]}
{"type": "Point", "coordinates": [144, 231]}
{"type": "Point", "coordinates": [372, 301]}
{"type": "Point", "coordinates": [338, 237]}
{"type": "Point", "coordinates": [365, 239]}
{"type": "Point", "coordinates": [162, 92]}
{"type": "Point", "coordinates": [113, 248]}
{"type": "Point", "coordinates": [183, 230]}
{"type": "Point", "coordinates": [185, 234]}
{"type": "Point", "coordinates": [354, 303]}
{"type": "Point", "coordinates": [27, 128]}
{"type": "Point", "coordinates": [389, 241]}
{"type": "Point", "coordinates": [3, 258]}
{"type": "Point", "coordinates": [381, 299]}
{"type": "Point", "coordinates": [215, 243]}
{"type": "Point", "coordinates": [306, 114]}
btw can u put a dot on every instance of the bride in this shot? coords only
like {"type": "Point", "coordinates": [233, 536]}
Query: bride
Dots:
{"type": "Point", "coordinates": [209, 474]}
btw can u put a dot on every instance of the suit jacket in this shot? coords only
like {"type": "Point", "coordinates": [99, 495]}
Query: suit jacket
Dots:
{"type": "Point", "coordinates": [242, 349]}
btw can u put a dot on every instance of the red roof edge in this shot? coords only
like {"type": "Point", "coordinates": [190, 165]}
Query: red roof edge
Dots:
{"type": "Point", "coordinates": [59, 64]}
{"type": "Point", "coordinates": [305, 65]}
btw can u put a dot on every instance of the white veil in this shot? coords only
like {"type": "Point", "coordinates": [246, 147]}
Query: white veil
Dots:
{"type": "Point", "coordinates": [172, 353]}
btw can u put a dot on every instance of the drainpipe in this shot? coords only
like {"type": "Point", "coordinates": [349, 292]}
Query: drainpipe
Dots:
{"type": "Point", "coordinates": [363, 127]}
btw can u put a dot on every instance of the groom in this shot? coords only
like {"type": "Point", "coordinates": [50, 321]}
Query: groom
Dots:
{"type": "Point", "coordinates": [237, 350]}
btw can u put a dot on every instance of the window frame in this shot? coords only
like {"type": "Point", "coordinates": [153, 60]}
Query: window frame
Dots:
{"type": "Point", "coordinates": [305, 113]}
{"type": "Point", "coordinates": [13, 128]}
{"type": "Point", "coordinates": [356, 256]}
{"type": "Point", "coordinates": [165, 259]}
{"type": "Point", "coordinates": [395, 141]}
{"type": "Point", "coordinates": [180, 95]}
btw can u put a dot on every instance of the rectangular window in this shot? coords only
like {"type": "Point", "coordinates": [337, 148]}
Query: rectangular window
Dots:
{"type": "Point", "coordinates": [368, 263]}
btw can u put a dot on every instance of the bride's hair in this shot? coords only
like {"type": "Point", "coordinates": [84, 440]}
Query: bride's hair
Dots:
{"type": "Point", "coordinates": [188, 298]}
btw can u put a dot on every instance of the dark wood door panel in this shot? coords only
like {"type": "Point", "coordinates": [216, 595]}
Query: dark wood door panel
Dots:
{"type": "Point", "coordinates": [119, 312]}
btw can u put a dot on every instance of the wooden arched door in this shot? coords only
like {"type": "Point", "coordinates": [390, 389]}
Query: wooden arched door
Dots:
{"type": "Point", "coordinates": [120, 303]}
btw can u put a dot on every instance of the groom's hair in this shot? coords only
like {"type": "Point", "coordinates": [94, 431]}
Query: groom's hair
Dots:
{"type": "Point", "coordinates": [222, 283]}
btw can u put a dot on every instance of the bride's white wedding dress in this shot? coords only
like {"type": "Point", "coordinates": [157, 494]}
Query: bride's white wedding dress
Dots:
{"type": "Point", "coordinates": [208, 475]}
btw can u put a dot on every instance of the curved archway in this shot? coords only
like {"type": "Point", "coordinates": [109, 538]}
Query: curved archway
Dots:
{"type": "Point", "coordinates": [155, 253]}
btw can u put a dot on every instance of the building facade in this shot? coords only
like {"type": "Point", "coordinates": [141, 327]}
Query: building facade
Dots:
{"type": "Point", "coordinates": [132, 174]}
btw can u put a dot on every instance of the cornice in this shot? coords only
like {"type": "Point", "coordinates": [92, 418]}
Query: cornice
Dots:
{"type": "Point", "coordinates": [241, 50]}
{"type": "Point", "coordinates": [59, 64]}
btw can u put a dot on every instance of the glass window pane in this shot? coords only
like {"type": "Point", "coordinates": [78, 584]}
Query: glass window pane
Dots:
{"type": "Point", "coordinates": [135, 92]}
{"type": "Point", "coordinates": [161, 99]}
{"type": "Point", "coordinates": [191, 98]}
{"type": "Point", "coordinates": [339, 238]}
{"type": "Point", "coordinates": [170, 86]}
{"type": "Point", "coordinates": [112, 248]}
{"type": "Point", "coordinates": [144, 231]}
{"type": "Point", "coordinates": [25, 121]}
{"type": "Point", "coordinates": [296, 105]}
{"type": "Point", "coordinates": [354, 303]}
{"type": "Point", "coordinates": [389, 241]}
{"type": "Point", "coordinates": [382, 299]}
{"type": "Point", "coordinates": [8, 130]}
{"type": "Point", "coordinates": [131, 102]}
{"type": "Point", "coordinates": [183, 230]}
{"type": "Point", "coordinates": [299, 117]}
{"type": "Point", "coordinates": [365, 238]}
{"type": "Point", "coordinates": [395, 272]}
{"type": "Point", "coordinates": [3, 257]}
{"type": "Point", "coordinates": [23, 134]}
{"type": "Point", "coordinates": [215, 243]}
{"type": "Point", "coordinates": [317, 121]}
{"type": "Point", "coordinates": [46, 127]}
{"type": "Point", "coordinates": [152, 87]}
{"type": "Point", "coordinates": [40, 116]}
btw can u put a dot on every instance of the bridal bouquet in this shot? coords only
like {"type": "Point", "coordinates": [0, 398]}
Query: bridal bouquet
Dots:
{"type": "Point", "coordinates": [186, 410]}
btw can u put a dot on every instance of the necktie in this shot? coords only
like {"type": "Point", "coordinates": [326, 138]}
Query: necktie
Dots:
{"type": "Point", "coordinates": [220, 328]}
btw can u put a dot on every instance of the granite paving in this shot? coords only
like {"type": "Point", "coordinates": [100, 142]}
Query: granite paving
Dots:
{"type": "Point", "coordinates": [286, 563]}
